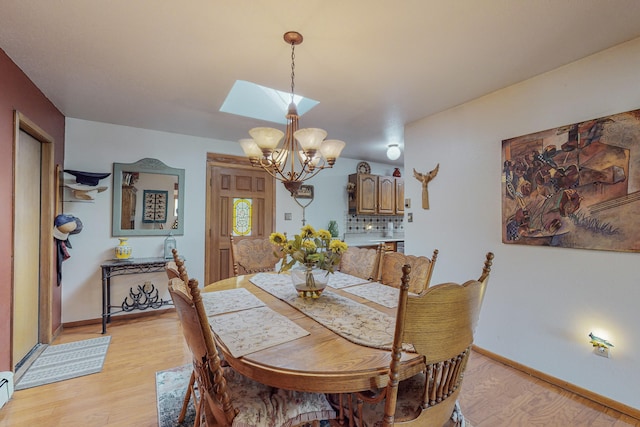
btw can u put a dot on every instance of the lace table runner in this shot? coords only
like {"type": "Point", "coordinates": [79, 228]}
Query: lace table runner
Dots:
{"type": "Point", "coordinates": [377, 292]}
{"type": "Point", "coordinates": [255, 329]}
{"type": "Point", "coordinates": [340, 280]}
{"type": "Point", "coordinates": [354, 321]}
{"type": "Point", "coordinates": [230, 300]}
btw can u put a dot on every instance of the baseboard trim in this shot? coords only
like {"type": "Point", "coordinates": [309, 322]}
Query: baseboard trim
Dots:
{"type": "Point", "coordinates": [583, 392]}
{"type": "Point", "coordinates": [118, 318]}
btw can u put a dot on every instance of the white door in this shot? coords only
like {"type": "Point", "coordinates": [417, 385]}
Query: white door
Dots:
{"type": "Point", "coordinates": [26, 272]}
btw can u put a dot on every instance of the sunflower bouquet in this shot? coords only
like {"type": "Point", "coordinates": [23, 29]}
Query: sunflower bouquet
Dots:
{"type": "Point", "coordinates": [310, 248]}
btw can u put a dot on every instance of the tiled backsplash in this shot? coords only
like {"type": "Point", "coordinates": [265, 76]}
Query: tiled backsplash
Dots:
{"type": "Point", "coordinates": [359, 223]}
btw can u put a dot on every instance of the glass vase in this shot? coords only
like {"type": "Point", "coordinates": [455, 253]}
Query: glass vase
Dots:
{"type": "Point", "coordinates": [309, 281]}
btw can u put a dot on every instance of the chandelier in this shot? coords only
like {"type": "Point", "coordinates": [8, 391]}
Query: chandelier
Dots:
{"type": "Point", "coordinates": [303, 152]}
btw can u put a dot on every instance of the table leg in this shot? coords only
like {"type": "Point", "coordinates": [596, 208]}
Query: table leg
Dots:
{"type": "Point", "coordinates": [105, 303]}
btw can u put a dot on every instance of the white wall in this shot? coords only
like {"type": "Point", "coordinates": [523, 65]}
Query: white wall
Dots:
{"type": "Point", "coordinates": [541, 301]}
{"type": "Point", "coordinates": [94, 147]}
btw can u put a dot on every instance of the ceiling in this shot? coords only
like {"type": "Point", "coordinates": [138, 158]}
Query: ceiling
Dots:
{"type": "Point", "coordinates": [374, 65]}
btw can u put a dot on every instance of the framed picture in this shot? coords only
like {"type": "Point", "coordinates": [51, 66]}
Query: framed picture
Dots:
{"type": "Point", "coordinates": [154, 206]}
{"type": "Point", "coordinates": [305, 192]}
{"type": "Point", "coordinates": [574, 186]}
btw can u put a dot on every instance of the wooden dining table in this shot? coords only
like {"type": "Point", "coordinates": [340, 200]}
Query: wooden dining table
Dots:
{"type": "Point", "coordinates": [322, 361]}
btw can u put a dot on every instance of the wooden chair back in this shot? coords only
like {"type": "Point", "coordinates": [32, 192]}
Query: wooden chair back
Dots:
{"type": "Point", "coordinates": [361, 262]}
{"type": "Point", "coordinates": [172, 270]}
{"type": "Point", "coordinates": [179, 262]}
{"type": "Point", "coordinates": [214, 396]}
{"type": "Point", "coordinates": [253, 255]}
{"type": "Point", "coordinates": [440, 324]}
{"type": "Point", "coordinates": [421, 270]}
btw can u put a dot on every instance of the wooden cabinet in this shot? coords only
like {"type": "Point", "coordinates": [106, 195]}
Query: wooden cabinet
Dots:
{"type": "Point", "coordinates": [386, 195]}
{"type": "Point", "coordinates": [366, 196]}
{"type": "Point", "coordinates": [388, 246]}
{"type": "Point", "coordinates": [399, 196]}
{"type": "Point", "coordinates": [376, 195]}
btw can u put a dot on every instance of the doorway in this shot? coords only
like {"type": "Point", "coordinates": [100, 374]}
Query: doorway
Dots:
{"type": "Point", "coordinates": [234, 189]}
{"type": "Point", "coordinates": [32, 246]}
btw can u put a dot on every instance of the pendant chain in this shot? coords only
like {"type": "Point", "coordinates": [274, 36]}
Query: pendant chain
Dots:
{"type": "Point", "coordinates": [293, 69]}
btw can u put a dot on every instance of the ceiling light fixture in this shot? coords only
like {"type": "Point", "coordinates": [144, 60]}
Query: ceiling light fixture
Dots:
{"type": "Point", "coordinates": [393, 152]}
{"type": "Point", "coordinates": [303, 153]}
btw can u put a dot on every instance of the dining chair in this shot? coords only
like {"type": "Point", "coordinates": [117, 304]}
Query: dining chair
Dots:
{"type": "Point", "coordinates": [226, 398]}
{"type": "Point", "coordinates": [174, 271]}
{"type": "Point", "coordinates": [390, 272]}
{"type": "Point", "coordinates": [252, 255]}
{"type": "Point", "coordinates": [179, 262]}
{"type": "Point", "coordinates": [171, 269]}
{"type": "Point", "coordinates": [440, 325]}
{"type": "Point", "coordinates": [361, 262]}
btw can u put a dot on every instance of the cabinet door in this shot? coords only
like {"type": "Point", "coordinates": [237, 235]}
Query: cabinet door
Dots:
{"type": "Point", "coordinates": [400, 196]}
{"type": "Point", "coordinates": [386, 195]}
{"type": "Point", "coordinates": [367, 193]}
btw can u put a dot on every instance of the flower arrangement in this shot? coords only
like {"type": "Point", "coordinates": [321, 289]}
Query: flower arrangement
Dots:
{"type": "Point", "coordinates": [310, 248]}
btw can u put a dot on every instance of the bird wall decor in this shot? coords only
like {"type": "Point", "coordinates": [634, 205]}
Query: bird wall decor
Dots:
{"type": "Point", "coordinates": [425, 178]}
{"type": "Point", "coordinates": [599, 342]}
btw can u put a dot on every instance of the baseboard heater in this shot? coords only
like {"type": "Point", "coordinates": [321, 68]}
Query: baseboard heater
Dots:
{"type": "Point", "coordinates": [6, 388]}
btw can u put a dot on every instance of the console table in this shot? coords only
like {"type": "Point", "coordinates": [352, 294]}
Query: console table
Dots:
{"type": "Point", "coordinates": [142, 298]}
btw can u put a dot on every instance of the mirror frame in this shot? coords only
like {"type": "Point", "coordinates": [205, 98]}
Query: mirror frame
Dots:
{"type": "Point", "coordinates": [145, 165]}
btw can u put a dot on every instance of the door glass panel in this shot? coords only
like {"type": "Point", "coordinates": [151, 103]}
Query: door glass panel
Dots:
{"type": "Point", "coordinates": [242, 217]}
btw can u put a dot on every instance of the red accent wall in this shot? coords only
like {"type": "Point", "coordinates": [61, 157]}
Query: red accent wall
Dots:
{"type": "Point", "coordinates": [17, 92]}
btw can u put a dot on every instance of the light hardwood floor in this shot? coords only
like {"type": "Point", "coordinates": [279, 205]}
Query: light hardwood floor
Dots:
{"type": "Point", "coordinates": [123, 394]}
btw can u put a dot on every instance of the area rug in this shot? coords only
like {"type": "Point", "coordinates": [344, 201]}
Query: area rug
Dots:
{"type": "Point", "coordinates": [171, 386]}
{"type": "Point", "coordinates": [65, 361]}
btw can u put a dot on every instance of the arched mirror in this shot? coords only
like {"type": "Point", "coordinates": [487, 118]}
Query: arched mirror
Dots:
{"type": "Point", "coordinates": [148, 199]}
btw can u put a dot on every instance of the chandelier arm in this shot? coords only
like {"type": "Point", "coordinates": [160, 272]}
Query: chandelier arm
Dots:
{"type": "Point", "coordinates": [308, 174]}
{"type": "Point", "coordinates": [270, 168]}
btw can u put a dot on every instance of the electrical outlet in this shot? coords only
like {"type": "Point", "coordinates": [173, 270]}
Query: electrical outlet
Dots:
{"type": "Point", "coordinates": [287, 216]}
{"type": "Point", "coordinates": [602, 351]}
{"type": "Point", "coordinates": [407, 203]}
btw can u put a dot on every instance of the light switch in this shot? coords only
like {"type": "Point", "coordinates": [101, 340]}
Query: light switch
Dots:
{"type": "Point", "coordinates": [410, 217]}
{"type": "Point", "coordinates": [287, 216]}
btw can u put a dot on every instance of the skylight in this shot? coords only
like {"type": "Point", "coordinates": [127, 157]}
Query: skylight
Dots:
{"type": "Point", "coordinates": [260, 102]}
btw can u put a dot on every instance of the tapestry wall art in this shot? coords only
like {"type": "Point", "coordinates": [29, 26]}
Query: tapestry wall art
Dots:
{"type": "Point", "coordinates": [575, 186]}
{"type": "Point", "coordinates": [154, 206]}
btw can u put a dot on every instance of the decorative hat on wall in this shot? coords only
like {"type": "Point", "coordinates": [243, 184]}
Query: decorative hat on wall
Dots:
{"type": "Point", "coordinates": [85, 192]}
{"type": "Point", "coordinates": [87, 178]}
{"type": "Point", "coordinates": [64, 225]}
{"type": "Point", "coordinates": [86, 185]}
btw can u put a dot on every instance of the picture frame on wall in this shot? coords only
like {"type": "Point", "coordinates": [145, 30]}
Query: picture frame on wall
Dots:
{"type": "Point", "coordinates": [304, 192]}
{"type": "Point", "coordinates": [574, 186]}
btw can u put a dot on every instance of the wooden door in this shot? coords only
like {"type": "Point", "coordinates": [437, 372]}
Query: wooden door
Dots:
{"type": "Point", "coordinates": [367, 193]}
{"type": "Point", "coordinates": [234, 184]}
{"type": "Point", "coordinates": [35, 204]}
{"type": "Point", "coordinates": [386, 195]}
{"type": "Point", "coordinates": [399, 196]}
{"type": "Point", "coordinates": [26, 280]}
